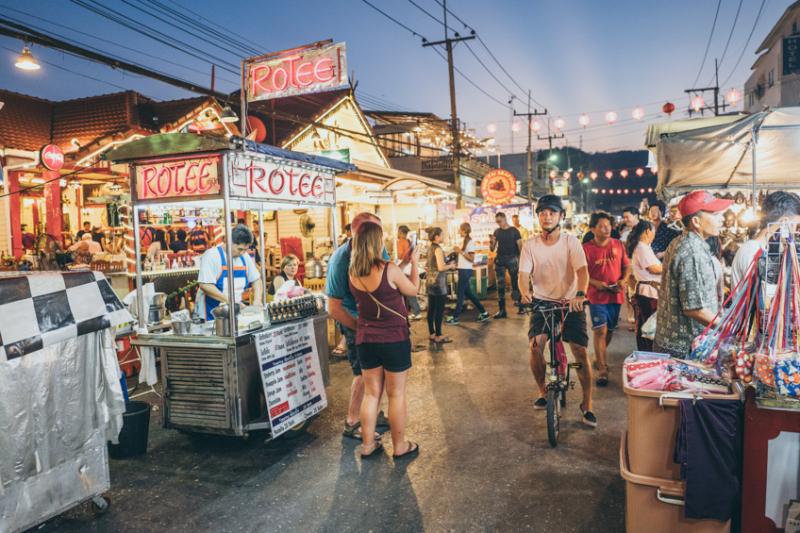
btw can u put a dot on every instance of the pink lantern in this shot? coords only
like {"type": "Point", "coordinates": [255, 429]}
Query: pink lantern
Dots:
{"type": "Point", "coordinates": [641, 191]}
{"type": "Point", "coordinates": [650, 190]}
{"type": "Point", "coordinates": [626, 191]}
{"type": "Point", "coordinates": [559, 123]}
{"type": "Point", "coordinates": [637, 113]}
{"type": "Point", "coordinates": [602, 191]}
{"type": "Point", "coordinates": [611, 117]}
{"type": "Point", "coordinates": [640, 172]}
{"type": "Point", "coordinates": [697, 102]}
{"type": "Point", "coordinates": [619, 191]}
{"type": "Point", "coordinates": [624, 173]}
{"type": "Point", "coordinates": [733, 96]}
{"type": "Point", "coordinates": [516, 126]}
{"type": "Point", "coordinates": [610, 191]}
{"type": "Point", "coordinates": [593, 175]}
{"type": "Point", "coordinates": [583, 120]}
{"type": "Point", "coordinates": [492, 128]}
{"type": "Point", "coordinates": [536, 125]}
{"type": "Point", "coordinates": [609, 174]}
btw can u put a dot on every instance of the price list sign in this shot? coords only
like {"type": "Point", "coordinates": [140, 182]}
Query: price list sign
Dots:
{"type": "Point", "coordinates": [291, 375]}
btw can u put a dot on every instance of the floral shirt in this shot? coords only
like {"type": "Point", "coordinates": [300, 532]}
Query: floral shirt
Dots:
{"type": "Point", "coordinates": [689, 282]}
{"type": "Point", "coordinates": [664, 236]}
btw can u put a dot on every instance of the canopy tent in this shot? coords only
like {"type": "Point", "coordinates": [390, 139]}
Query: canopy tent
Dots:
{"type": "Point", "coordinates": [757, 151]}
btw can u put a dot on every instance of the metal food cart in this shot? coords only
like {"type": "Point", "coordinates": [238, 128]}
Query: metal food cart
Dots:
{"type": "Point", "coordinates": [214, 383]}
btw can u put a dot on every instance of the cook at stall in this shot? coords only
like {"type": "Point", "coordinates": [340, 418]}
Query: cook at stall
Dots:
{"type": "Point", "coordinates": [215, 269]}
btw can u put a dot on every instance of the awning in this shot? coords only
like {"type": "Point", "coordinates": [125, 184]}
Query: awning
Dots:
{"type": "Point", "coordinates": [655, 131]}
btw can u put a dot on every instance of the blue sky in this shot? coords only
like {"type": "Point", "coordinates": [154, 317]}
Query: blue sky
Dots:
{"type": "Point", "coordinates": [576, 56]}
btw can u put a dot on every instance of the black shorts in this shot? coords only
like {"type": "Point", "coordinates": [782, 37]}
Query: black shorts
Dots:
{"type": "Point", "coordinates": [392, 356]}
{"type": "Point", "coordinates": [573, 330]}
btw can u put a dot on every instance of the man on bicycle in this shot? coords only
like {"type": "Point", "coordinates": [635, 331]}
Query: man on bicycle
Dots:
{"type": "Point", "coordinates": [553, 264]}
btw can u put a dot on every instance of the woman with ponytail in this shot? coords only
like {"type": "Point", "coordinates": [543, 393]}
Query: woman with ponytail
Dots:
{"type": "Point", "coordinates": [466, 256]}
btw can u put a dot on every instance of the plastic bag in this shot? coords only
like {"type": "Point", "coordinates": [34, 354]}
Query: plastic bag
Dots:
{"type": "Point", "coordinates": [649, 328]}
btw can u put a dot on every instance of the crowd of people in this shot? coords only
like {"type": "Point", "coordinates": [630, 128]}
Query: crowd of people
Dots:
{"type": "Point", "coordinates": [659, 262]}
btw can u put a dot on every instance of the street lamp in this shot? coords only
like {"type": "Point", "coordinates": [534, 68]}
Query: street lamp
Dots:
{"type": "Point", "coordinates": [26, 61]}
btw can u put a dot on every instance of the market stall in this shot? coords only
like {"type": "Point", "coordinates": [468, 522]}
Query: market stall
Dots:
{"type": "Point", "coordinates": [258, 367]}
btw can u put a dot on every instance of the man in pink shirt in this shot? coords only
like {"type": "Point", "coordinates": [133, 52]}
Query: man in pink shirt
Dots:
{"type": "Point", "coordinates": [609, 270]}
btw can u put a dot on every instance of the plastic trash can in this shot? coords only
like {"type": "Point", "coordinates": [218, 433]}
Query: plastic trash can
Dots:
{"type": "Point", "coordinates": [656, 505]}
{"type": "Point", "coordinates": [134, 433]}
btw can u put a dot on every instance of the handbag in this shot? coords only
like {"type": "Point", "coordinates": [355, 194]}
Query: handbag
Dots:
{"type": "Point", "coordinates": [435, 280]}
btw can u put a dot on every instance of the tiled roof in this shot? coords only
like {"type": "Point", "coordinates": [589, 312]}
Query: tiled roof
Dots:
{"type": "Point", "coordinates": [86, 119]}
{"type": "Point", "coordinates": [154, 115]}
{"type": "Point", "coordinates": [24, 121]}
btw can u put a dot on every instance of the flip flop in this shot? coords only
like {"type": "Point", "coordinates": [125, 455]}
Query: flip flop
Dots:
{"type": "Point", "coordinates": [375, 451]}
{"type": "Point", "coordinates": [444, 340]}
{"type": "Point", "coordinates": [413, 451]}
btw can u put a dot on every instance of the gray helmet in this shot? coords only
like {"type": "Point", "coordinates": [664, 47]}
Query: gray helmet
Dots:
{"type": "Point", "coordinates": [549, 201]}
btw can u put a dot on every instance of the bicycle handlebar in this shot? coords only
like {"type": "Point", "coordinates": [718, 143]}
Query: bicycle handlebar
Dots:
{"type": "Point", "coordinates": [545, 305]}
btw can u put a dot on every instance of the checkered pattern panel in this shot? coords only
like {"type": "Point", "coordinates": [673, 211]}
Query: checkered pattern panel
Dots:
{"type": "Point", "coordinates": [42, 309]}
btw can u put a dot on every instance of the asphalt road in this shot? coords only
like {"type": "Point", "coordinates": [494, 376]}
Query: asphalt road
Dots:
{"type": "Point", "coordinates": [485, 463]}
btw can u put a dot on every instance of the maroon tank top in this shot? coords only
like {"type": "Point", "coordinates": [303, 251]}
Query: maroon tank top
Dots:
{"type": "Point", "coordinates": [376, 323]}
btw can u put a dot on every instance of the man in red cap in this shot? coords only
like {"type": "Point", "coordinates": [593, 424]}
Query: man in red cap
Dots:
{"type": "Point", "coordinates": [689, 297]}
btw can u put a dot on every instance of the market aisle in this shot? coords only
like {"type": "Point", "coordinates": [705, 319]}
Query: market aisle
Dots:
{"type": "Point", "coordinates": [485, 462]}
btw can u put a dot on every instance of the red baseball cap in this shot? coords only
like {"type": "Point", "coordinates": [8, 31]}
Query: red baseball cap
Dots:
{"type": "Point", "coordinates": [361, 218]}
{"type": "Point", "coordinates": [697, 201]}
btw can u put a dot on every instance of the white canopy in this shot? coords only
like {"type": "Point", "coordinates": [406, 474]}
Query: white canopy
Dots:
{"type": "Point", "coordinates": [720, 155]}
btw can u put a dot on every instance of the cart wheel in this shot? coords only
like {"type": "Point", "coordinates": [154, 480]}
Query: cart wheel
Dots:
{"type": "Point", "coordinates": [100, 505]}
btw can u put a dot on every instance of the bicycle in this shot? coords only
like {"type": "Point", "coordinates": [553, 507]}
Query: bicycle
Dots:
{"type": "Point", "coordinates": [557, 377]}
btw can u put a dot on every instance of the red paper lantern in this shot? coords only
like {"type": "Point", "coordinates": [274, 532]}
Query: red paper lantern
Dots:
{"type": "Point", "coordinates": [640, 172]}
{"type": "Point", "coordinates": [609, 174]}
{"type": "Point", "coordinates": [624, 173]}
{"type": "Point", "coordinates": [668, 108]}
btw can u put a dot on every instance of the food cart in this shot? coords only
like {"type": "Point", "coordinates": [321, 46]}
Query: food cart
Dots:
{"type": "Point", "coordinates": [260, 370]}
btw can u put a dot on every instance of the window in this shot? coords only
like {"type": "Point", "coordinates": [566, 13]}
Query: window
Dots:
{"type": "Point", "coordinates": [750, 99]}
{"type": "Point", "coordinates": [771, 78]}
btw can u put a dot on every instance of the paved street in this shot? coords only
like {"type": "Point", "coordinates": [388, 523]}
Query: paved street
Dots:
{"type": "Point", "coordinates": [485, 464]}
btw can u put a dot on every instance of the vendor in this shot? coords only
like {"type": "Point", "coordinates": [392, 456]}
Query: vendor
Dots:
{"type": "Point", "coordinates": [213, 276]}
{"type": "Point", "coordinates": [689, 296]}
{"type": "Point", "coordinates": [289, 266]}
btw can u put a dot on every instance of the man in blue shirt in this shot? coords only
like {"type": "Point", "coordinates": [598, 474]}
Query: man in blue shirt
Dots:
{"type": "Point", "coordinates": [342, 308]}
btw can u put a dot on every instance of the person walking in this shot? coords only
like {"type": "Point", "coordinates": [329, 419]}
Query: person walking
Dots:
{"type": "Point", "coordinates": [609, 270]}
{"type": "Point", "coordinates": [524, 233]}
{"type": "Point", "coordinates": [553, 265]}
{"type": "Point", "coordinates": [647, 271]}
{"type": "Point", "coordinates": [507, 242]}
{"type": "Point", "coordinates": [383, 343]}
{"type": "Point", "coordinates": [436, 284]}
{"type": "Point", "coordinates": [466, 257]}
{"type": "Point", "coordinates": [403, 250]}
{"type": "Point", "coordinates": [689, 296]}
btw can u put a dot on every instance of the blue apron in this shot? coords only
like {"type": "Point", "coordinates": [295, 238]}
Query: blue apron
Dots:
{"type": "Point", "coordinates": [239, 280]}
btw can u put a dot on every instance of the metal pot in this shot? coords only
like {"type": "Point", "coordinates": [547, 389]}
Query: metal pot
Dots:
{"type": "Point", "coordinates": [222, 324]}
{"type": "Point", "coordinates": [181, 328]}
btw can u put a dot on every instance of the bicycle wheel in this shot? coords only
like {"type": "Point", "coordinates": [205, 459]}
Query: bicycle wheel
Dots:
{"type": "Point", "coordinates": [553, 416]}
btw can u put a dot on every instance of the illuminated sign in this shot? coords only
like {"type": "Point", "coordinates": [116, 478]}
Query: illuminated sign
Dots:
{"type": "Point", "coordinates": [51, 157]}
{"type": "Point", "coordinates": [197, 176]}
{"type": "Point", "coordinates": [498, 187]}
{"type": "Point", "coordinates": [280, 182]}
{"type": "Point", "coordinates": [298, 71]}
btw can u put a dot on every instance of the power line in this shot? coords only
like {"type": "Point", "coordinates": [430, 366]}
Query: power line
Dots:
{"type": "Point", "coordinates": [388, 16]}
{"type": "Point", "coordinates": [413, 3]}
{"type": "Point", "coordinates": [744, 48]}
{"type": "Point", "coordinates": [708, 44]}
{"type": "Point", "coordinates": [469, 80]}
{"type": "Point", "coordinates": [728, 42]}
{"type": "Point", "coordinates": [220, 27]}
{"type": "Point", "coordinates": [478, 59]}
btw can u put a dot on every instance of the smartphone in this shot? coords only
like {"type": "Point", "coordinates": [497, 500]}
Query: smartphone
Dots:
{"type": "Point", "coordinates": [412, 238]}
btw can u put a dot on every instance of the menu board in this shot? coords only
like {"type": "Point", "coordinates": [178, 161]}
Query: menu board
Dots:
{"type": "Point", "coordinates": [291, 375]}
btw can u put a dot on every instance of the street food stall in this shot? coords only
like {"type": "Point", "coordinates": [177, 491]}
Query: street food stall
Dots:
{"type": "Point", "coordinates": [260, 367]}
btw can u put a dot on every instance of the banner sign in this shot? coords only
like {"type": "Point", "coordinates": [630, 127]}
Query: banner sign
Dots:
{"type": "Point", "coordinates": [299, 71]}
{"type": "Point", "coordinates": [284, 181]}
{"type": "Point", "coordinates": [187, 177]}
{"type": "Point", "coordinates": [498, 187]}
{"type": "Point", "coordinates": [291, 375]}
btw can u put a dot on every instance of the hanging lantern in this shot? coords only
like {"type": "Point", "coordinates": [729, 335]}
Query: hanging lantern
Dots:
{"type": "Point", "coordinates": [640, 172]}
{"type": "Point", "coordinates": [609, 174]}
{"type": "Point", "coordinates": [733, 96]}
{"type": "Point", "coordinates": [492, 128]}
{"type": "Point", "coordinates": [536, 125]}
{"type": "Point", "coordinates": [610, 191]}
{"type": "Point", "coordinates": [611, 117]}
{"type": "Point", "coordinates": [641, 191]}
{"type": "Point", "coordinates": [619, 191]}
{"type": "Point", "coordinates": [623, 173]}
{"type": "Point", "coordinates": [553, 174]}
{"type": "Point", "coordinates": [626, 191]}
{"type": "Point", "coordinates": [593, 175]}
{"type": "Point", "coordinates": [668, 108]}
{"type": "Point", "coordinates": [602, 191]}
{"type": "Point", "coordinates": [583, 120]}
{"type": "Point", "coordinates": [559, 123]}
{"type": "Point", "coordinates": [516, 126]}
{"type": "Point", "coordinates": [697, 102]}
{"type": "Point", "coordinates": [637, 113]}
{"type": "Point", "coordinates": [650, 189]}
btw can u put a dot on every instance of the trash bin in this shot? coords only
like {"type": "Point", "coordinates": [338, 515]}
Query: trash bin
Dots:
{"type": "Point", "coordinates": [134, 433]}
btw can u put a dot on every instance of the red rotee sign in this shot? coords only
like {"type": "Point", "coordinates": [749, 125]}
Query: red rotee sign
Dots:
{"type": "Point", "coordinates": [280, 182]}
{"type": "Point", "coordinates": [298, 71]}
{"type": "Point", "coordinates": [189, 177]}
{"type": "Point", "coordinates": [498, 187]}
{"type": "Point", "coordinates": [51, 157]}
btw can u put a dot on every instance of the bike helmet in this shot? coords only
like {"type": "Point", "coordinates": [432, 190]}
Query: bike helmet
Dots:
{"type": "Point", "coordinates": [549, 201]}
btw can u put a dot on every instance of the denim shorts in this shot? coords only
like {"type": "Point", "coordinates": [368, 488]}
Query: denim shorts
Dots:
{"type": "Point", "coordinates": [605, 315]}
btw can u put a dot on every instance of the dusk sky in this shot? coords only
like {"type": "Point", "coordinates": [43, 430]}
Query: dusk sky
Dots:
{"type": "Point", "coordinates": [576, 56]}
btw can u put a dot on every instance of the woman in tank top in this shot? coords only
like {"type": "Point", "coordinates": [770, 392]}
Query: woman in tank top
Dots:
{"type": "Point", "coordinates": [383, 344]}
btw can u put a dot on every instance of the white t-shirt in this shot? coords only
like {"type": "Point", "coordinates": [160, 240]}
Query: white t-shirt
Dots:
{"type": "Point", "coordinates": [211, 268]}
{"type": "Point", "coordinates": [463, 262]}
{"type": "Point", "coordinates": [623, 235]}
{"type": "Point", "coordinates": [553, 267]}
{"type": "Point", "coordinates": [643, 257]}
{"type": "Point", "coordinates": [741, 261]}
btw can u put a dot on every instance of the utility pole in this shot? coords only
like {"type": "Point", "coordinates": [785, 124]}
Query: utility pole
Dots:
{"type": "Point", "coordinates": [454, 128]}
{"type": "Point", "coordinates": [549, 139]}
{"type": "Point", "coordinates": [530, 114]}
{"type": "Point", "coordinates": [701, 90]}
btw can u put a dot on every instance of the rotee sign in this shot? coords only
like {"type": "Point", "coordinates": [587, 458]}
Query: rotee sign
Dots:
{"type": "Point", "coordinates": [196, 176]}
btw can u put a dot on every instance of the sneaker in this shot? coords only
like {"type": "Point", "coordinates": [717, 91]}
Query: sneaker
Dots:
{"type": "Point", "coordinates": [540, 404]}
{"type": "Point", "coordinates": [588, 418]}
{"type": "Point", "coordinates": [483, 317]}
{"type": "Point", "coordinates": [382, 421]}
{"type": "Point", "coordinates": [452, 320]}
{"type": "Point", "coordinates": [500, 314]}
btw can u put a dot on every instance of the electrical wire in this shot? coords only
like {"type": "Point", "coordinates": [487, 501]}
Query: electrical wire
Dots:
{"type": "Point", "coordinates": [388, 16]}
{"type": "Point", "coordinates": [730, 35]}
{"type": "Point", "coordinates": [469, 80]}
{"type": "Point", "coordinates": [708, 44]}
{"type": "Point", "coordinates": [744, 48]}
{"type": "Point", "coordinates": [478, 59]}
{"type": "Point", "coordinates": [210, 23]}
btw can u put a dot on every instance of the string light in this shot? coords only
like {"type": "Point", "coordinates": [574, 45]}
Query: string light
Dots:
{"type": "Point", "coordinates": [640, 172]}
{"type": "Point", "coordinates": [624, 173]}
{"type": "Point", "coordinates": [593, 175]}
{"type": "Point", "coordinates": [492, 128]}
{"type": "Point", "coordinates": [697, 103]}
{"type": "Point", "coordinates": [609, 174]}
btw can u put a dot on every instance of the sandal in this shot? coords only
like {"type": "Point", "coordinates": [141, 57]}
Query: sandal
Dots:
{"type": "Point", "coordinates": [352, 431]}
{"type": "Point", "coordinates": [413, 451]}
{"type": "Point", "coordinates": [341, 352]}
{"type": "Point", "coordinates": [375, 451]}
{"type": "Point", "coordinates": [444, 340]}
